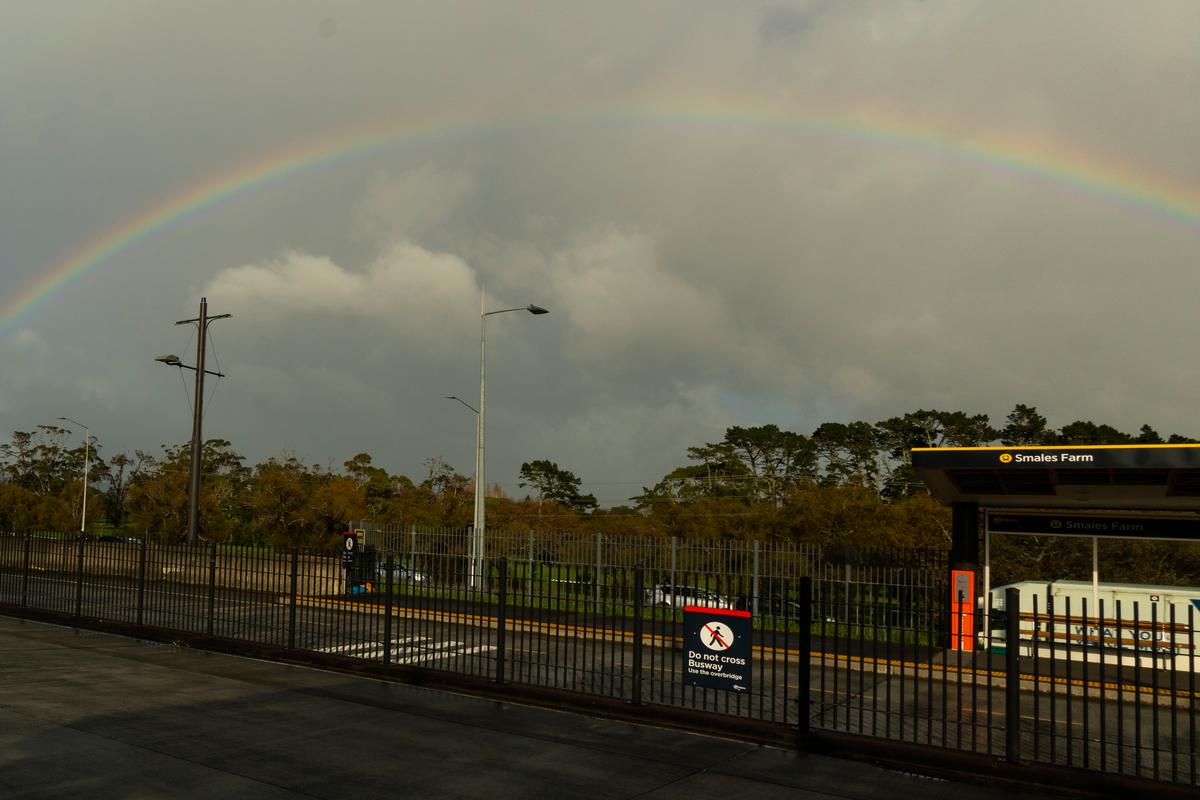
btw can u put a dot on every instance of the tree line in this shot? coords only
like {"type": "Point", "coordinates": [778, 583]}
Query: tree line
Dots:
{"type": "Point", "coordinates": [843, 485]}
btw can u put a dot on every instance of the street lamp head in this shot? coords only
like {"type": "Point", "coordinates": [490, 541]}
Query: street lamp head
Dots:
{"type": "Point", "coordinates": [532, 309]}
{"type": "Point", "coordinates": [170, 359]}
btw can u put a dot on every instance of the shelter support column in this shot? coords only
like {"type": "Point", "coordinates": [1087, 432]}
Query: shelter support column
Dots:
{"type": "Point", "coordinates": [964, 572]}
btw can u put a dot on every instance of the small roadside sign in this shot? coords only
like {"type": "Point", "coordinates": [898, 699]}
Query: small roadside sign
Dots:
{"type": "Point", "coordinates": [717, 653]}
{"type": "Point", "coordinates": [349, 542]}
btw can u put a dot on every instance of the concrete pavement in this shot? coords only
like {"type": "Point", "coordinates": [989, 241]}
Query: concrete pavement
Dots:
{"type": "Point", "coordinates": [87, 714]}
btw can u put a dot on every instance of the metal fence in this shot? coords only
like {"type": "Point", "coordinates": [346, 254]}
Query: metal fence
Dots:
{"type": "Point", "coordinates": [859, 643]}
{"type": "Point", "coordinates": [755, 572]}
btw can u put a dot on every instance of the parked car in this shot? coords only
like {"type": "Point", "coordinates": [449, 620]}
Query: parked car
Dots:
{"type": "Point", "coordinates": [779, 606]}
{"type": "Point", "coordinates": [771, 605]}
{"type": "Point", "coordinates": [664, 594]}
{"type": "Point", "coordinates": [401, 573]}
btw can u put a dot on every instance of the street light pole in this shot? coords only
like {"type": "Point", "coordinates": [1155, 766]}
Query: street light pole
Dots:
{"type": "Point", "coordinates": [477, 537]}
{"type": "Point", "coordinates": [86, 467]}
{"type": "Point", "coordinates": [478, 530]}
{"type": "Point", "coordinates": [197, 410]}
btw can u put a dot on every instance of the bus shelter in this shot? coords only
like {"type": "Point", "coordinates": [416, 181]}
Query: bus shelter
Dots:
{"type": "Point", "coordinates": [1096, 491]}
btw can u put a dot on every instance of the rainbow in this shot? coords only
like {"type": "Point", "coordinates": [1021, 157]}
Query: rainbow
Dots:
{"type": "Point", "coordinates": [1049, 163]}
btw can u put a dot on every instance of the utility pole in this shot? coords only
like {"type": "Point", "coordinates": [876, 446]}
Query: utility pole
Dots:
{"type": "Point", "coordinates": [197, 410]}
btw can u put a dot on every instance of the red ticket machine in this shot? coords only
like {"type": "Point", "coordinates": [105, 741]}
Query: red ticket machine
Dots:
{"type": "Point", "coordinates": [962, 609]}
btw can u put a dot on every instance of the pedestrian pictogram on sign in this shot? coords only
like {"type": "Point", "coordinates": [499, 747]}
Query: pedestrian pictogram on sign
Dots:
{"type": "Point", "coordinates": [717, 648]}
{"type": "Point", "coordinates": [716, 636]}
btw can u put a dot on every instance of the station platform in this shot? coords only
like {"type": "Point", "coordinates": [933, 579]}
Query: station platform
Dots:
{"type": "Point", "coordinates": [94, 715]}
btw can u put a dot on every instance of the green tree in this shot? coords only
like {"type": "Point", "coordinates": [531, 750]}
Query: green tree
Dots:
{"type": "Point", "coordinates": [41, 463]}
{"type": "Point", "coordinates": [897, 437]}
{"type": "Point", "coordinates": [120, 473]}
{"type": "Point", "coordinates": [156, 499]}
{"type": "Point", "coordinates": [1147, 435]}
{"type": "Point", "coordinates": [1025, 427]}
{"type": "Point", "coordinates": [719, 473]}
{"type": "Point", "coordinates": [18, 508]}
{"type": "Point", "coordinates": [775, 460]}
{"type": "Point", "coordinates": [752, 465]}
{"type": "Point", "coordinates": [375, 482]}
{"type": "Point", "coordinates": [445, 497]}
{"type": "Point", "coordinates": [848, 453]}
{"type": "Point", "coordinates": [157, 495]}
{"type": "Point", "coordinates": [277, 499]}
{"type": "Point", "coordinates": [555, 485]}
{"type": "Point", "coordinates": [334, 500]}
{"type": "Point", "coordinates": [934, 429]}
{"type": "Point", "coordinates": [1083, 432]}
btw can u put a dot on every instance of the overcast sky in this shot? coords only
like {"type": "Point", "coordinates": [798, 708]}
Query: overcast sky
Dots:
{"type": "Point", "coordinates": [737, 214]}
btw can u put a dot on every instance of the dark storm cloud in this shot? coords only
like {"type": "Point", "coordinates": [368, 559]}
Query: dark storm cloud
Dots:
{"type": "Point", "coordinates": [646, 172]}
{"type": "Point", "coordinates": [788, 25]}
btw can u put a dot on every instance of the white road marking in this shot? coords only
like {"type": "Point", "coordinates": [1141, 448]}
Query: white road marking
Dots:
{"type": "Point", "coordinates": [416, 646]}
{"type": "Point", "coordinates": [356, 648]}
{"type": "Point", "coordinates": [441, 653]}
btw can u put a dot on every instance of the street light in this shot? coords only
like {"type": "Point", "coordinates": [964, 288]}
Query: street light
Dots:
{"type": "Point", "coordinates": [173, 360]}
{"type": "Point", "coordinates": [86, 467]}
{"type": "Point", "coordinates": [477, 531]}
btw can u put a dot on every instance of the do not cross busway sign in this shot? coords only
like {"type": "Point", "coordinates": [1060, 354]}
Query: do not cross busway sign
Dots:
{"type": "Point", "coordinates": [717, 645]}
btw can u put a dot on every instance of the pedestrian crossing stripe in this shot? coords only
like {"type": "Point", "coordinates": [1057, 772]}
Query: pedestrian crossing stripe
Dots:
{"type": "Point", "coordinates": [426, 649]}
{"type": "Point", "coordinates": [434, 656]}
{"type": "Point", "coordinates": [355, 648]}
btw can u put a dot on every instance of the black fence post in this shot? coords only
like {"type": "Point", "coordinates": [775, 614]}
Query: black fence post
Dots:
{"type": "Point", "coordinates": [292, 589]}
{"type": "Point", "coordinates": [502, 619]}
{"type": "Point", "coordinates": [212, 585]}
{"type": "Point", "coordinates": [25, 575]}
{"type": "Point", "coordinates": [804, 648]}
{"type": "Point", "coordinates": [141, 590]}
{"type": "Point", "coordinates": [79, 583]}
{"type": "Point", "coordinates": [639, 605]}
{"type": "Point", "coordinates": [1012, 675]}
{"type": "Point", "coordinates": [388, 582]}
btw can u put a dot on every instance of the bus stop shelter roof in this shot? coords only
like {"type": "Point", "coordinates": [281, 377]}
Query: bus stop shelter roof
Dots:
{"type": "Point", "coordinates": [1163, 477]}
